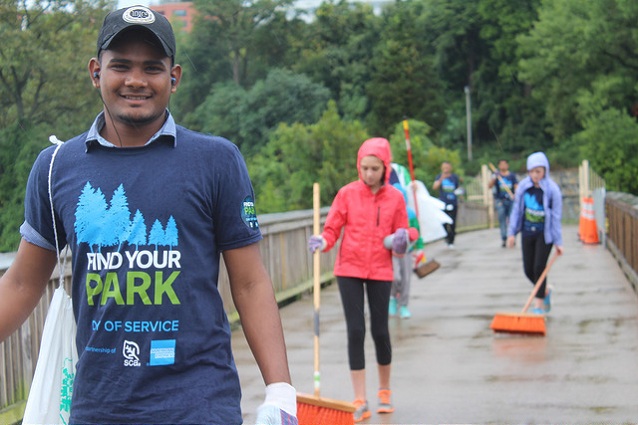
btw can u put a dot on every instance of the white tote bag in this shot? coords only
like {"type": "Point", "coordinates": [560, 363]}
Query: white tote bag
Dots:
{"type": "Point", "coordinates": [49, 400]}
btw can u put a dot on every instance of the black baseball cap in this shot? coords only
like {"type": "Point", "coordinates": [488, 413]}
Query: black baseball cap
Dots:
{"type": "Point", "coordinates": [140, 17]}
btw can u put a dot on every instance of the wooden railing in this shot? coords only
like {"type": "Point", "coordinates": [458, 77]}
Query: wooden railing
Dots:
{"type": "Point", "coordinates": [621, 212]}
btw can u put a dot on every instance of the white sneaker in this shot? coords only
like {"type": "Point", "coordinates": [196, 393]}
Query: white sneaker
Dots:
{"type": "Point", "coordinates": [450, 246]}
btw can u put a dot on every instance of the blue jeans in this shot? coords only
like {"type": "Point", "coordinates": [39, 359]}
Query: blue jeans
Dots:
{"type": "Point", "coordinates": [503, 209]}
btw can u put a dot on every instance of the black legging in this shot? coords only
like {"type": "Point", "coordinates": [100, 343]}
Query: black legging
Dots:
{"type": "Point", "coordinates": [450, 228]}
{"type": "Point", "coordinates": [535, 255]}
{"type": "Point", "coordinates": [352, 297]}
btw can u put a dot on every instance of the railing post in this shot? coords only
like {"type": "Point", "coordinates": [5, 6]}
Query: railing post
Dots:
{"type": "Point", "coordinates": [488, 199]}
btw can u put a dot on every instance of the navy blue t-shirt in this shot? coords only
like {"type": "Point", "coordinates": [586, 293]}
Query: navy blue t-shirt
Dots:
{"type": "Point", "coordinates": [146, 227]}
{"type": "Point", "coordinates": [534, 216]}
{"type": "Point", "coordinates": [499, 189]}
{"type": "Point", "coordinates": [448, 186]}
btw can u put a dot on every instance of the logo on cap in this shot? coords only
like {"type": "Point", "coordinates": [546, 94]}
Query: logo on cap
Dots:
{"type": "Point", "coordinates": [138, 15]}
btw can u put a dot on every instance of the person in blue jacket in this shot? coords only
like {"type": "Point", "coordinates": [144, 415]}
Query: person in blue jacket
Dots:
{"type": "Point", "coordinates": [536, 214]}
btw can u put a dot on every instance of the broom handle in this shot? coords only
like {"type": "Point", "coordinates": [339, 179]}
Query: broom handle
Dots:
{"type": "Point", "coordinates": [507, 189]}
{"type": "Point", "coordinates": [408, 147]}
{"type": "Point", "coordinates": [539, 282]}
{"type": "Point", "coordinates": [316, 278]}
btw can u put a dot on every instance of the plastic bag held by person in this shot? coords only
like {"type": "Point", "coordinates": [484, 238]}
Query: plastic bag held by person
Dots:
{"type": "Point", "coordinates": [400, 240]}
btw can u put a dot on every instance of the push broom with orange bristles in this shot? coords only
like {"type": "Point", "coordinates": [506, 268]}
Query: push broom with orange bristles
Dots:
{"type": "Point", "coordinates": [524, 322]}
{"type": "Point", "coordinates": [430, 266]}
{"type": "Point", "coordinates": [314, 409]}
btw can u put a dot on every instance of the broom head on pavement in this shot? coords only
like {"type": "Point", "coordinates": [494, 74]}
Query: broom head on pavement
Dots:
{"type": "Point", "coordinates": [426, 268]}
{"type": "Point", "coordinates": [524, 322]}
{"type": "Point", "coordinates": [316, 410]}
{"type": "Point", "coordinates": [519, 323]}
{"type": "Point", "coordinates": [313, 410]}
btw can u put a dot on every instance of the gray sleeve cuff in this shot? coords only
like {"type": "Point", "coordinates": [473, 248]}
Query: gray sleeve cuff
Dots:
{"type": "Point", "coordinates": [30, 235]}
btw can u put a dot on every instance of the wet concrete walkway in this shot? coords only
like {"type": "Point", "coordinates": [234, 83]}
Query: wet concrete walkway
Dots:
{"type": "Point", "coordinates": [449, 367]}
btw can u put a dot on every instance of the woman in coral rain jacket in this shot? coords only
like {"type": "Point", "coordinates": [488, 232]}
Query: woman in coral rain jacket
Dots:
{"type": "Point", "coordinates": [368, 210]}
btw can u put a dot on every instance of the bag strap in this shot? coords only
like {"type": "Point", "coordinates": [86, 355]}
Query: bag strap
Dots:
{"type": "Point", "coordinates": [61, 264]}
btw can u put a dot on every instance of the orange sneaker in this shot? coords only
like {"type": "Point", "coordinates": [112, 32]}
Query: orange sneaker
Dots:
{"type": "Point", "coordinates": [362, 412]}
{"type": "Point", "coordinates": [385, 405]}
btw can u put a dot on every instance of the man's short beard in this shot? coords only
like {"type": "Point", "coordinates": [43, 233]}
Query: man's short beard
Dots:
{"type": "Point", "coordinates": [139, 121]}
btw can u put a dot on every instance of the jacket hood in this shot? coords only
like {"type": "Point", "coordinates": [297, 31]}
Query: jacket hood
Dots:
{"type": "Point", "coordinates": [538, 159]}
{"type": "Point", "coordinates": [380, 148]}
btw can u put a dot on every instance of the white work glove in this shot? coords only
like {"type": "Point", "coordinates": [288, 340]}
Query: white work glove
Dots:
{"type": "Point", "coordinates": [280, 405]}
{"type": "Point", "coordinates": [316, 242]}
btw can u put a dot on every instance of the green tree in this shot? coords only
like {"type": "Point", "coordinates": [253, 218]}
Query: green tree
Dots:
{"type": "Point", "coordinates": [220, 113]}
{"type": "Point", "coordinates": [404, 80]}
{"type": "Point", "coordinates": [248, 117]}
{"type": "Point", "coordinates": [506, 112]}
{"type": "Point", "coordinates": [44, 89]}
{"type": "Point", "coordinates": [204, 64]}
{"type": "Point", "coordinates": [298, 155]}
{"type": "Point", "coordinates": [283, 97]}
{"type": "Point", "coordinates": [44, 52]}
{"type": "Point", "coordinates": [231, 41]}
{"type": "Point", "coordinates": [336, 49]}
{"type": "Point", "coordinates": [610, 141]}
{"type": "Point", "coordinates": [573, 45]}
{"type": "Point", "coordinates": [240, 27]}
{"type": "Point", "coordinates": [474, 45]}
{"type": "Point", "coordinates": [580, 60]}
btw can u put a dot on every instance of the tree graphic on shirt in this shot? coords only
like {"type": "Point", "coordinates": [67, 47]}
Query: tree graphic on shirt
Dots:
{"type": "Point", "coordinates": [137, 235]}
{"type": "Point", "coordinates": [156, 236]}
{"type": "Point", "coordinates": [119, 216]}
{"type": "Point", "coordinates": [102, 224]}
{"type": "Point", "coordinates": [170, 235]}
{"type": "Point", "coordinates": [90, 216]}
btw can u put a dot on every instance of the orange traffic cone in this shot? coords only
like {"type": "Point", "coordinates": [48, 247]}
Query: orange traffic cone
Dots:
{"type": "Point", "coordinates": [587, 231]}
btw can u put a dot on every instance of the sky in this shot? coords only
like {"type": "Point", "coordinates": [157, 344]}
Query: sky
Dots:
{"type": "Point", "coordinates": [126, 3]}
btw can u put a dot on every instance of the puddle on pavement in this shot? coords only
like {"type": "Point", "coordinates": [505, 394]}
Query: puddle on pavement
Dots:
{"type": "Point", "coordinates": [522, 348]}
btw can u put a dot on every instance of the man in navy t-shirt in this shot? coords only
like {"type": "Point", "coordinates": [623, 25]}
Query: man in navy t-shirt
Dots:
{"type": "Point", "coordinates": [447, 184]}
{"type": "Point", "coordinates": [147, 208]}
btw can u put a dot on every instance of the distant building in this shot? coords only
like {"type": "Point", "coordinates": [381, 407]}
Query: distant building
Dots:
{"type": "Point", "coordinates": [179, 13]}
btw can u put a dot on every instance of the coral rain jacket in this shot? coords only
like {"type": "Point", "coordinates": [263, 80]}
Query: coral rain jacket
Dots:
{"type": "Point", "coordinates": [366, 219]}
